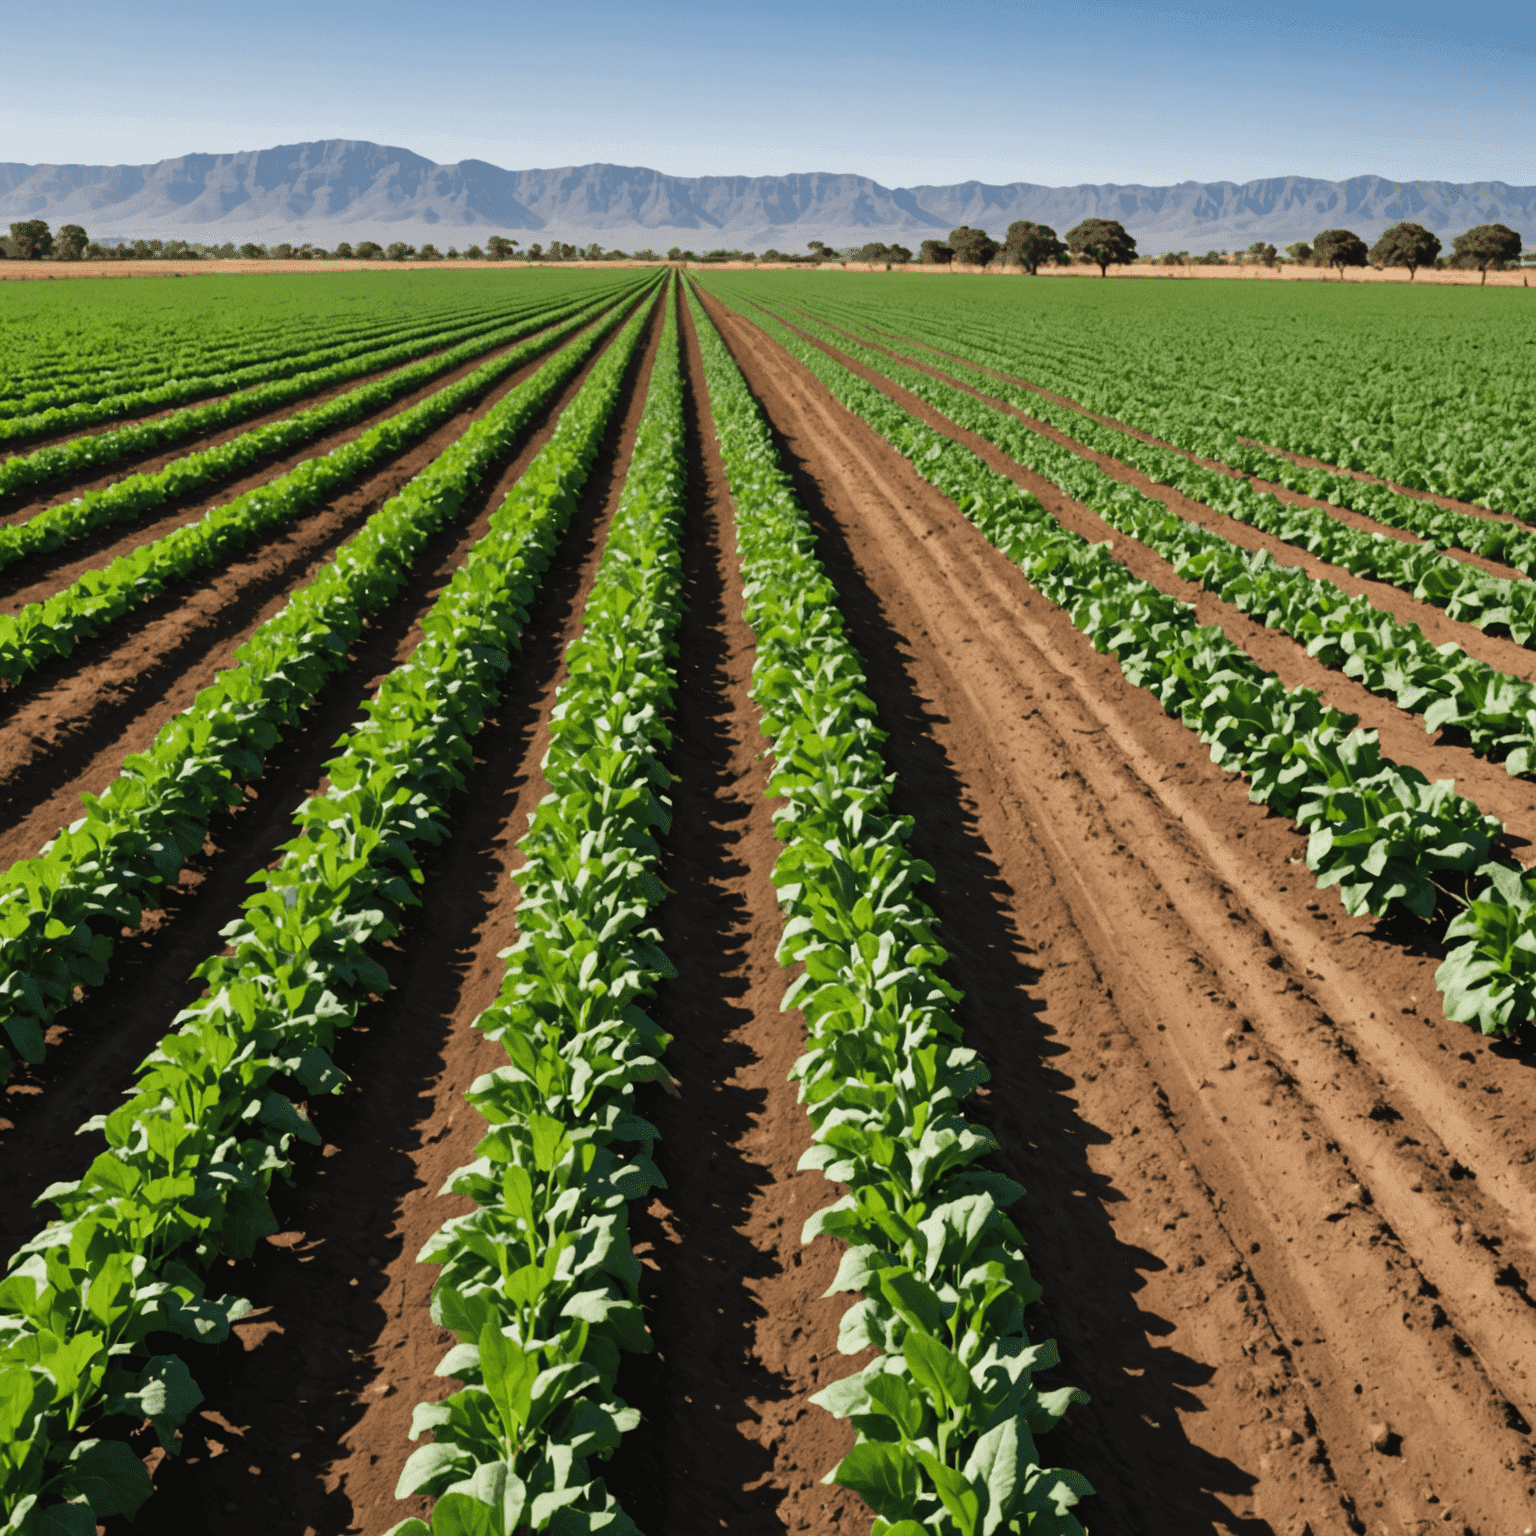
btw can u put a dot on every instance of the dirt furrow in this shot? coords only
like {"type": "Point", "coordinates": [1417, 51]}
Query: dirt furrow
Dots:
{"type": "Point", "coordinates": [1299, 1296]}
{"type": "Point", "coordinates": [94, 1046]}
{"type": "Point", "coordinates": [343, 1327]}
{"type": "Point", "coordinates": [733, 1299]}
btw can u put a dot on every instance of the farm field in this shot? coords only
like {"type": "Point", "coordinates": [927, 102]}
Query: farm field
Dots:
{"type": "Point", "coordinates": [686, 881]}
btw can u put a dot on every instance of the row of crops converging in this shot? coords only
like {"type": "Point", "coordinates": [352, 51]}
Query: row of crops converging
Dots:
{"type": "Point", "coordinates": [105, 1308]}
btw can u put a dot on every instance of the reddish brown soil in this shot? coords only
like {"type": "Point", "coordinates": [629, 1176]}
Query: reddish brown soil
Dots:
{"type": "Point", "coordinates": [1299, 1198]}
{"type": "Point", "coordinates": [1280, 1207]}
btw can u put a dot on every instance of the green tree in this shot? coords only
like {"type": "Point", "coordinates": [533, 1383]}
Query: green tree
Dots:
{"type": "Point", "coordinates": [31, 240]}
{"type": "Point", "coordinates": [474, 253]}
{"type": "Point", "coordinates": [430, 252]}
{"type": "Point", "coordinates": [1300, 253]}
{"type": "Point", "coordinates": [399, 251]}
{"type": "Point", "coordinates": [499, 248]}
{"type": "Point", "coordinates": [1262, 253]}
{"type": "Point", "coordinates": [1405, 245]}
{"type": "Point", "coordinates": [1486, 245]}
{"type": "Point", "coordinates": [344, 252]}
{"type": "Point", "coordinates": [283, 252]}
{"type": "Point", "coordinates": [1339, 248]}
{"type": "Point", "coordinates": [368, 250]}
{"type": "Point", "coordinates": [70, 243]}
{"type": "Point", "coordinates": [935, 253]}
{"type": "Point", "coordinates": [1028, 244]}
{"type": "Point", "coordinates": [252, 252]}
{"type": "Point", "coordinates": [972, 247]}
{"type": "Point", "coordinates": [1104, 242]}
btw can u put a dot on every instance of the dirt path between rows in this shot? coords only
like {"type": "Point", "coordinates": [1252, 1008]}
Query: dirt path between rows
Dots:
{"type": "Point", "coordinates": [1280, 1207]}
{"type": "Point", "coordinates": [94, 1046]}
{"type": "Point", "coordinates": [733, 1299]}
{"type": "Point", "coordinates": [343, 1333]}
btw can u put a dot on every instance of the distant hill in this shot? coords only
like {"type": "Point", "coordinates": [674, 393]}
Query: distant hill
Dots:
{"type": "Point", "coordinates": [339, 189]}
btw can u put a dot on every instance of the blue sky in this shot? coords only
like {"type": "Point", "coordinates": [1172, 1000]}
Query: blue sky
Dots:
{"type": "Point", "coordinates": [948, 90]}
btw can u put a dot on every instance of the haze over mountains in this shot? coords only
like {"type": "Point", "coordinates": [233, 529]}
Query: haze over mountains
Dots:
{"type": "Point", "coordinates": [338, 189]}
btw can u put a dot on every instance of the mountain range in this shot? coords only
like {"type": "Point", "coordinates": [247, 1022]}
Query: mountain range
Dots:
{"type": "Point", "coordinates": [341, 189]}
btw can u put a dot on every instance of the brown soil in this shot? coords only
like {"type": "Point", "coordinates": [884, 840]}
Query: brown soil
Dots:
{"type": "Point", "coordinates": [1280, 1206]}
{"type": "Point", "coordinates": [1295, 1208]}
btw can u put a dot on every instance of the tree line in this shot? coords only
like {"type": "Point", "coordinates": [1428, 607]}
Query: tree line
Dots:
{"type": "Point", "coordinates": [1099, 242]}
{"type": "Point", "coordinates": [32, 240]}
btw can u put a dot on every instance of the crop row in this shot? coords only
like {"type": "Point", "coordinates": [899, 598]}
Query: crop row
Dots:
{"type": "Point", "coordinates": [538, 1283]}
{"type": "Point", "coordinates": [76, 360]}
{"type": "Point", "coordinates": [135, 495]}
{"type": "Point", "coordinates": [191, 1154]}
{"type": "Point", "coordinates": [1442, 683]}
{"type": "Point", "coordinates": [1444, 405]}
{"type": "Point", "coordinates": [87, 455]}
{"type": "Point", "coordinates": [303, 358]}
{"type": "Point", "coordinates": [97, 873]}
{"type": "Point", "coordinates": [1189, 428]}
{"type": "Point", "coordinates": [947, 1412]}
{"type": "Point", "coordinates": [1379, 831]}
{"type": "Point", "coordinates": [44, 630]}
{"type": "Point", "coordinates": [85, 368]}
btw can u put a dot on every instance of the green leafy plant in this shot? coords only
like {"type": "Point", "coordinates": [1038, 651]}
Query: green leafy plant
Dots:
{"type": "Point", "coordinates": [137, 834]}
{"type": "Point", "coordinates": [1377, 830]}
{"type": "Point", "coordinates": [948, 1411]}
{"type": "Point", "coordinates": [539, 1283]}
{"type": "Point", "coordinates": [192, 1152]}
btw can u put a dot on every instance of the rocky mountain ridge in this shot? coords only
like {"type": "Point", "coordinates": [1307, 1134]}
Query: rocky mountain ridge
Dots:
{"type": "Point", "coordinates": [338, 189]}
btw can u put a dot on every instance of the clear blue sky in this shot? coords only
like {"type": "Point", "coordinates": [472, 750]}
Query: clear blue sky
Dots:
{"type": "Point", "coordinates": [941, 91]}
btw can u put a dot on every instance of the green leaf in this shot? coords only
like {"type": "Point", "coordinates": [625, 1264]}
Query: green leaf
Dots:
{"type": "Point", "coordinates": [109, 1476]}
{"type": "Point", "coordinates": [914, 1299]}
{"type": "Point", "coordinates": [883, 1475]}
{"type": "Point", "coordinates": [60, 1520]}
{"type": "Point", "coordinates": [955, 1491]}
{"type": "Point", "coordinates": [165, 1395]}
{"type": "Point", "coordinates": [461, 1514]}
{"type": "Point", "coordinates": [996, 1460]}
{"type": "Point", "coordinates": [936, 1369]}
{"type": "Point", "coordinates": [509, 1376]}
